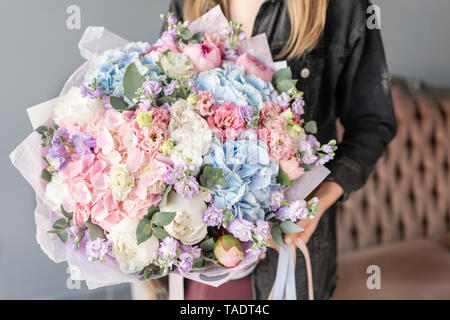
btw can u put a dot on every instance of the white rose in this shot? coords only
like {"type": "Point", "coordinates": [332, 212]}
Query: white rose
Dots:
{"type": "Point", "coordinates": [56, 192]}
{"type": "Point", "coordinates": [131, 257]}
{"type": "Point", "coordinates": [121, 181]}
{"type": "Point", "coordinates": [190, 132]}
{"type": "Point", "coordinates": [187, 226]}
{"type": "Point", "coordinates": [73, 108]}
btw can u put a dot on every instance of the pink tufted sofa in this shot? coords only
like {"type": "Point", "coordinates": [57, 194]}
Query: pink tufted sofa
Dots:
{"type": "Point", "coordinates": [400, 221]}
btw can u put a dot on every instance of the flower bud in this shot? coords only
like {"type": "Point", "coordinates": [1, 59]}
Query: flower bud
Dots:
{"type": "Point", "coordinates": [228, 251]}
{"type": "Point", "coordinates": [144, 119]}
{"type": "Point", "coordinates": [167, 147]}
{"type": "Point", "coordinates": [192, 99]}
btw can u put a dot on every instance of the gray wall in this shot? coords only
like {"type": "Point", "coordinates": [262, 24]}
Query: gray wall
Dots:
{"type": "Point", "coordinates": [38, 53]}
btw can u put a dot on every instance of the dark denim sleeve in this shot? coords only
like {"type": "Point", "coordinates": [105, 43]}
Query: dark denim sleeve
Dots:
{"type": "Point", "coordinates": [364, 106]}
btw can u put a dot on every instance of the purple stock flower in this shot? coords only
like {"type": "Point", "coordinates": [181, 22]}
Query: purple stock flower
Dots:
{"type": "Point", "coordinates": [247, 113]}
{"type": "Point", "coordinates": [297, 210]}
{"type": "Point", "coordinates": [185, 264]}
{"type": "Point", "coordinates": [262, 230]}
{"type": "Point", "coordinates": [228, 30]}
{"type": "Point", "coordinates": [171, 176]}
{"type": "Point", "coordinates": [283, 100]}
{"type": "Point", "coordinates": [231, 55]}
{"type": "Point", "coordinates": [242, 36]}
{"type": "Point", "coordinates": [97, 249]}
{"type": "Point", "coordinates": [298, 106]}
{"type": "Point", "coordinates": [212, 217]}
{"type": "Point", "coordinates": [195, 252]}
{"type": "Point", "coordinates": [276, 197]}
{"type": "Point", "coordinates": [171, 87]}
{"type": "Point", "coordinates": [327, 148]}
{"type": "Point", "coordinates": [191, 85]}
{"type": "Point", "coordinates": [152, 87]}
{"type": "Point", "coordinates": [167, 39]}
{"type": "Point", "coordinates": [57, 154]}
{"type": "Point", "coordinates": [83, 143]}
{"type": "Point", "coordinates": [308, 150]}
{"type": "Point", "coordinates": [168, 248]}
{"type": "Point", "coordinates": [187, 187]}
{"type": "Point", "coordinates": [84, 91]}
{"type": "Point", "coordinates": [94, 94]}
{"type": "Point", "coordinates": [241, 229]}
{"type": "Point", "coordinates": [172, 20]}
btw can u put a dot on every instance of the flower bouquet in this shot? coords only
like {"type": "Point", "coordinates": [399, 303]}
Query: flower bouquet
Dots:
{"type": "Point", "coordinates": [180, 157]}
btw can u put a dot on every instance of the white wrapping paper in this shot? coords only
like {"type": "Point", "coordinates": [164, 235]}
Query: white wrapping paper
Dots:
{"type": "Point", "coordinates": [28, 160]}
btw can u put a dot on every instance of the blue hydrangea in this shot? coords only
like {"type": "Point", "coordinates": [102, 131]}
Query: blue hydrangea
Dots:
{"type": "Point", "coordinates": [110, 67]}
{"type": "Point", "coordinates": [230, 83]}
{"type": "Point", "coordinates": [250, 175]}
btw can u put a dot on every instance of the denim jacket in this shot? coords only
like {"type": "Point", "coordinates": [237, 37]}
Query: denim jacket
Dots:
{"type": "Point", "coordinates": [345, 77]}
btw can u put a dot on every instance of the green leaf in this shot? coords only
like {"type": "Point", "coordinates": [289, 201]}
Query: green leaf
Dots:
{"type": "Point", "coordinates": [222, 182]}
{"type": "Point", "coordinates": [162, 219]}
{"type": "Point", "coordinates": [63, 235]}
{"type": "Point", "coordinates": [95, 231]}
{"type": "Point", "coordinates": [285, 85]}
{"type": "Point", "coordinates": [276, 235]}
{"type": "Point", "coordinates": [118, 103]}
{"type": "Point", "coordinates": [290, 227]}
{"type": "Point", "coordinates": [198, 37]}
{"type": "Point", "coordinates": [270, 216]}
{"type": "Point", "coordinates": [186, 34]}
{"type": "Point", "coordinates": [66, 214]}
{"type": "Point", "coordinates": [217, 173]}
{"type": "Point", "coordinates": [132, 81]}
{"type": "Point", "coordinates": [281, 74]}
{"type": "Point", "coordinates": [46, 175]}
{"type": "Point", "coordinates": [198, 263]}
{"type": "Point", "coordinates": [165, 99]}
{"type": "Point", "coordinates": [163, 200]}
{"type": "Point", "coordinates": [283, 179]}
{"type": "Point", "coordinates": [203, 181]}
{"type": "Point", "coordinates": [207, 245]}
{"type": "Point", "coordinates": [311, 127]}
{"type": "Point", "coordinates": [208, 171]}
{"type": "Point", "coordinates": [60, 224]}
{"type": "Point", "coordinates": [306, 167]}
{"type": "Point", "coordinates": [150, 212]}
{"type": "Point", "coordinates": [143, 231]}
{"type": "Point", "coordinates": [160, 233]}
{"type": "Point", "coordinates": [42, 129]}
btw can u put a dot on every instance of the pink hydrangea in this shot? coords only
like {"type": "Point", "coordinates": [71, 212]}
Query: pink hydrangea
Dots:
{"type": "Point", "coordinates": [226, 122]}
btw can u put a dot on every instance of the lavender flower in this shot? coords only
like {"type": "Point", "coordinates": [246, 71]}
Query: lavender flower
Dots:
{"type": "Point", "coordinates": [241, 229]}
{"type": "Point", "coordinates": [195, 252]}
{"type": "Point", "coordinates": [172, 20]}
{"type": "Point", "coordinates": [83, 143]}
{"type": "Point", "coordinates": [213, 216]}
{"type": "Point", "coordinates": [247, 113]}
{"type": "Point", "coordinates": [283, 100]}
{"type": "Point", "coordinates": [57, 154]}
{"type": "Point", "coordinates": [168, 248]}
{"type": "Point", "coordinates": [187, 187]}
{"type": "Point", "coordinates": [276, 197]}
{"type": "Point", "coordinates": [185, 264]}
{"type": "Point", "coordinates": [192, 86]}
{"type": "Point", "coordinates": [262, 230]}
{"type": "Point", "coordinates": [308, 149]}
{"type": "Point", "coordinates": [171, 176]}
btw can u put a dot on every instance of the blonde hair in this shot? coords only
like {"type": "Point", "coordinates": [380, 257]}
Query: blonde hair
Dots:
{"type": "Point", "coordinates": [307, 19]}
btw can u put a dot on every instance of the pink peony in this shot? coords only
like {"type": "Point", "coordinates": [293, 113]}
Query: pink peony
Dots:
{"type": "Point", "coordinates": [253, 66]}
{"type": "Point", "coordinates": [226, 122]}
{"type": "Point", "coordinates": [204, 57]}
{"type": "Point", "coordinates": [205, 103]}
{"type": "Point", "coordinates": [214, 39]}
{"type": "Point", "coordinates": [291, 168]}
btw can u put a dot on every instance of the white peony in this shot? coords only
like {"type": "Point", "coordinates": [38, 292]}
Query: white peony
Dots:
{"type": "Point", "coordinates": [188, 226]}
{"type": "Point", "coordinates": [131, 257]}
{"type": "Point", "coordinates": [121, 181]}
{"type": "Point", "coordinates": [190, 132]}
{"type": "Point", "coordinates": [73, 108]}
{"type": "Point", "coordinates": [56, 192]}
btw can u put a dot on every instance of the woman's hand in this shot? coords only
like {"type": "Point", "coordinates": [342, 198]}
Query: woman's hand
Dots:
{"type": "Point", "coordinates": [328, 193]}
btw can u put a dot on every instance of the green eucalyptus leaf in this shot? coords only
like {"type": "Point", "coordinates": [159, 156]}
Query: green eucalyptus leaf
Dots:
{"type": "Point", "coordinates": [160, 233]}
{"type": "Point", "coordinates": [132, 81]}
{"type": "Point", "coordinates": [68, 215]}
{"type": "Point", "coordinates": [143, 231]}
{"type": "Point", "coordinates": [207, 171]}
{"type": "Point", "coordinates": [185, 34]}
{"type": "Point", "coordinates": [222, 182]}
{"type": "Point", "coordinates": [207, 245]}
{"type": "Point", "coordinates": [311, 127]}
{"type": "Point", "coordinates": [198, 263]}
{"type": "Point", "coordinates": [42, 129]}
{"type": "Point", "coordinates": [270, 216]}
{"type": "Point", "coordinates": [60, 224]}
{"type": "Point", "coordinates": [283, 179]}
{"type": "Point", "coordinates": [163, 200]}
{"type": "Point", "coordinates": [197, 37]}
{"type": "Point", "coordinates": [95, 231]}
{"type": "Point", "coordinates": [63, 235]}
{"type": "Point", "coordinates": [285, 85]}
{"type": "Point", "coordinates": [306, 167]}
{"type": "Point", "coordinates": [285, 73]}
{"type": "Point", "coordinates": [46, 175]}
{"type": "Point", "coordinates": [290, 227]}
{"type": "Point", "coordinates": [162, 219]}
{"type": "Point", "coordinates": [118, 103]}
{"type": "Point", "coordinates": [276, 235]}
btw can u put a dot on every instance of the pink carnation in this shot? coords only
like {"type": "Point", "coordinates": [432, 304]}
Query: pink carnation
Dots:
{"type": "Point", "coordinates": [205, 103]}
{"type": "Point", "coordinates": [226, 122]}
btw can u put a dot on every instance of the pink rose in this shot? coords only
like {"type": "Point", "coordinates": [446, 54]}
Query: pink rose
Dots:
{"type": "Point", "coordinates": [226, 122]}
{"type": "Point", "coordinates": [253, 66]}
{"type": "Point", "coordinates": [204, 57]}
{"type": "Point", "coordinates": [291, 168]}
